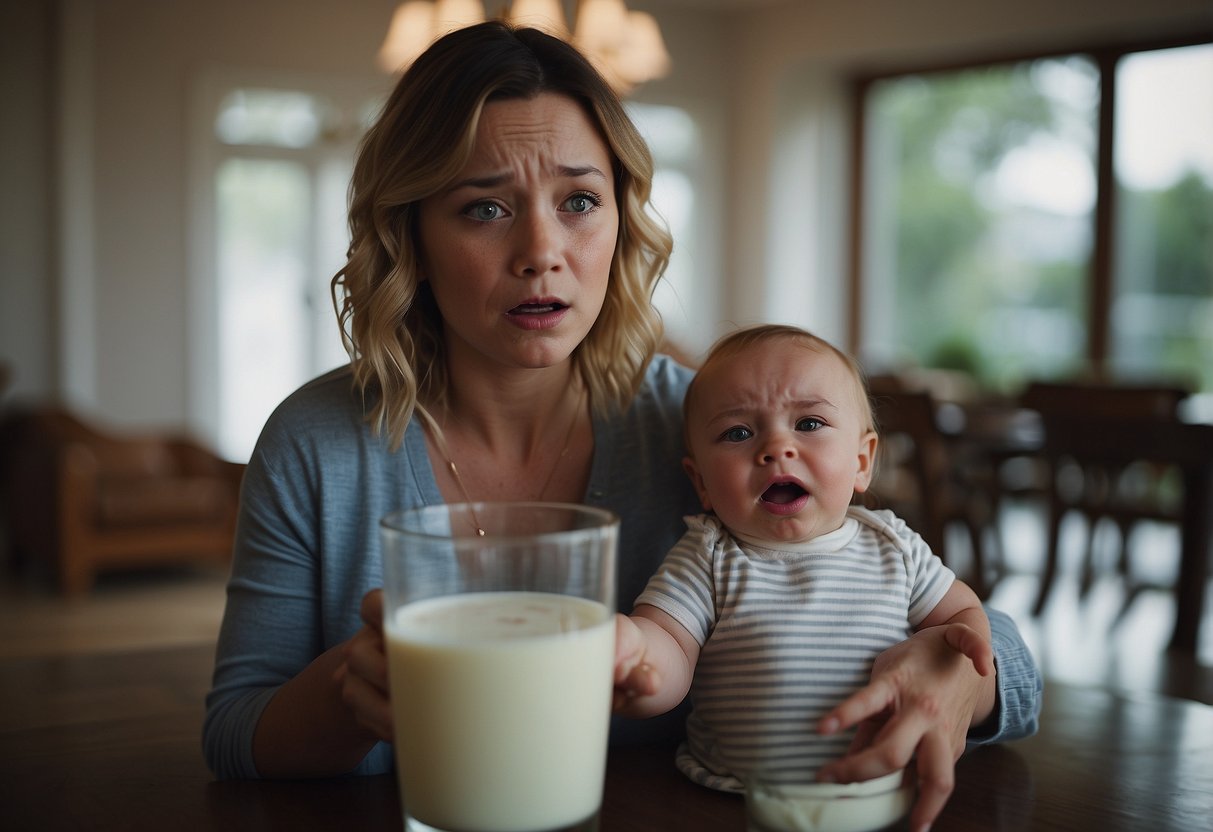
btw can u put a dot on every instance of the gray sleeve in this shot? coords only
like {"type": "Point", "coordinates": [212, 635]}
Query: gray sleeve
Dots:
{"type": "Point", "coordinates": [305, 552]}
{"type": "Point", "coordinates": [271, 621]}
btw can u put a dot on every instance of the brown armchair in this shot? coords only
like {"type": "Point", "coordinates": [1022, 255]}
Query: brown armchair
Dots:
{"type": "Point", "coordinates": [80, 500]}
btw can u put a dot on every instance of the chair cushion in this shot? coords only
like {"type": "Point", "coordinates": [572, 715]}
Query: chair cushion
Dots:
{"type": "Point", "coordinates": [133, 458]}
{"type": "Point", "coordinates": [140, 501]}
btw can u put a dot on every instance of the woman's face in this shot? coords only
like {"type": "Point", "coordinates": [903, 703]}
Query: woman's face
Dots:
{"type": "Point", "coordinates": [518, 249]}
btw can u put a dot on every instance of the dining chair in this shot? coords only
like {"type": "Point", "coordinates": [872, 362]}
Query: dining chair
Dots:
{"type": "Point", "coordinates": [1096, 461]}
{"type": "Point", "coordinates": [925, 477]}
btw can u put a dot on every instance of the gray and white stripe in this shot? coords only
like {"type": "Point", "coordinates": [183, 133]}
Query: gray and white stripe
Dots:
{"type": "Point", "coordinates": [786, 635]}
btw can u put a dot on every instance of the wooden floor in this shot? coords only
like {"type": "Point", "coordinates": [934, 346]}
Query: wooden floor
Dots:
{"type": "Point", "coordinates": [1096, 638]}
{"type": "Point", "coordinates": [125, 611]}
{"type": "Point", "coordinates": [1078, 640]}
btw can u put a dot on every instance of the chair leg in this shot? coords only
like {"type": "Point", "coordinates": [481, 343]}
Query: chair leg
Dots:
{"type": "Point", "coordinates": [978, 581]}
{"type": "Point", "coordinates": [1087, 574]}
{"type": "Point", "coordinates": [1126, 526]}
{"type": "Point", "coordinates": [1132, 593]}
{"type": "Point", "coordinates": [1050, 567]}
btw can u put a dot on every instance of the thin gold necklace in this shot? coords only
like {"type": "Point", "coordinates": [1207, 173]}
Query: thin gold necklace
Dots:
{"type": "Point", "coordinates": [440, 441]}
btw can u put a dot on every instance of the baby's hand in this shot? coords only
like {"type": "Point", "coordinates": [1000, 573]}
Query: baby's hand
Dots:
{"type": "Point", "coordinates": [633, 676]}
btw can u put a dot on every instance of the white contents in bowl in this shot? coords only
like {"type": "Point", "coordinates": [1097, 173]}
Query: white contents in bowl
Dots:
{"type": "Point", "coordinates": [827, 807]}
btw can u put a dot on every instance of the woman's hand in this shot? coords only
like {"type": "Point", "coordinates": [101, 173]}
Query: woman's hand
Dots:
{"type": "Point", "coordinates": [362, 673]}
{"type": "Point", "coordinates": [923, 697]}
{"type": "Point", "coordinates": [323, 722]}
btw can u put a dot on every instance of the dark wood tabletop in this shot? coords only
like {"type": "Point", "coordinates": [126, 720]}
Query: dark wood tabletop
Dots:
{"type": "Point", "coordinates": [111, 741]}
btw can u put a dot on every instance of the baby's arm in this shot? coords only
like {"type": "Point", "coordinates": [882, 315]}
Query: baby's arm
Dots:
{"type": "Point", "coordinates": [655, 659]}
{"type": "Point", "coordinates": [967, 629]}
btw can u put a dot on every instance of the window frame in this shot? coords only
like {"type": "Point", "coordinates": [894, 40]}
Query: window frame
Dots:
{"type": "Point", "coordinates": [206, 152]}
{"type": "Point", "coordinates": [1099, 288]}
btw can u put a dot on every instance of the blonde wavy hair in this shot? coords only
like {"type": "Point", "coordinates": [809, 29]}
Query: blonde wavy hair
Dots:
{"type": "Point", "coordinates": [420, 142]}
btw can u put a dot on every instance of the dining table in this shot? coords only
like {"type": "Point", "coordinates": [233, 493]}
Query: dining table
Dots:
{"type": "Point", "coordinates": [111, 741]}
{"type": "Point", "coordinates": [990, 434]}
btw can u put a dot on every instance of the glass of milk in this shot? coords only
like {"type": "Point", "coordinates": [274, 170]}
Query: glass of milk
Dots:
{"type": "Point", "coordinates": [499, 621]}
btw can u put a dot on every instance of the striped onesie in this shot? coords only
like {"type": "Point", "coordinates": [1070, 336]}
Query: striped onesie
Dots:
{"type": "Point", "coordinates": [786, 634]}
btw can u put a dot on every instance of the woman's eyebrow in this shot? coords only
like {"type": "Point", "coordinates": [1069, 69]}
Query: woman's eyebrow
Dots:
{"type": "Point", "coordinates": [574, 172]}
{"type": "Point", "coordinates": [495, 179]}
{"type": "Point", "coordinates": [489, 181]}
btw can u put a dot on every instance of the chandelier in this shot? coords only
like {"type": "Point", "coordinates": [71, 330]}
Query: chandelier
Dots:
{"type": "Point", "coordinates": [625, 46]}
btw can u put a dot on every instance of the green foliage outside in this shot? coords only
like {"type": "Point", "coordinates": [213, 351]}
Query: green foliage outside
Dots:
{"type": "Point", "coordinates": [1001, 290]}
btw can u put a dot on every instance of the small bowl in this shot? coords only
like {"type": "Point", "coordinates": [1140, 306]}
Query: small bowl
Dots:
{"type": "Point", "coordinates": [826, 807]}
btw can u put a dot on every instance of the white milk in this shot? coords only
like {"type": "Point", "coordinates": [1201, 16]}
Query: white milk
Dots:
{"type": "Point", "coordinates": [827, 807]}
{"type": "Point", "coordinates": [502, 705]}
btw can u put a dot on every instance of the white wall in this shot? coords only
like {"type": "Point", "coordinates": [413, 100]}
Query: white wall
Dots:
{"type": "Point", "coordinates": [27, 337]}
{"type": "Point", "coordinates": [114, 334]}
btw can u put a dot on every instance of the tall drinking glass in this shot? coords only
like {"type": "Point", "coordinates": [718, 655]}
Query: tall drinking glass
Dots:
{"type": "Point", "coordinates": [499, 619]}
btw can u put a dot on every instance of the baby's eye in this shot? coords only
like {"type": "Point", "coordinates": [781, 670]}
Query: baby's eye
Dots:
{"type": "Point", "coordinates": [484, 211]}
{"type": "Point", "coordinates": [809, 423]}
{"type": "Point", "coordinates": [737, 434]}
{"type": "Point", "coordinates": [582, 203]}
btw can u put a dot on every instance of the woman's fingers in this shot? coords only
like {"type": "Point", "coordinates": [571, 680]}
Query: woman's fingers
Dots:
{"type": "Point", "coordinates": [967, 641]}
{"type": "Point", "coordinates": [369, 704]}
{"type": "Point", "coordinates": [886, 748]}
{"type": "Point", "coordinates": [365, 658]}
{"type": "Point", "coordinates": [372, 609]}
{"type": "Point", "coordinates": [936, 779]}
{"type": "Point", "coordinates": [869, 701]}
{"type": "Point", "coordinates": [363, 673]}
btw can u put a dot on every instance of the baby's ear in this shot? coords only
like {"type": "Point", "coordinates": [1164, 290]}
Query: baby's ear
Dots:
{"type": "Point", "coordinates": [866, 461]}
{"type": "Point", "coordinates": [688, 465]}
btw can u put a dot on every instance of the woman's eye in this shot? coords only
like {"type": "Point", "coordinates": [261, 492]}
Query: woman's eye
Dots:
{"type": "Point", "coordinates": [809, 423]}
{"type": "Point", "coordinates": [736, 435]}
{"type": "Point", "coordinates": [582, 203]}
{"type": "Point", "coordinates": [484, 211]}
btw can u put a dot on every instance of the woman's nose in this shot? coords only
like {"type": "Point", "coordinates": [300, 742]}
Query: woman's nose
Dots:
{"type": "Point", "coordinates": [537, 245]}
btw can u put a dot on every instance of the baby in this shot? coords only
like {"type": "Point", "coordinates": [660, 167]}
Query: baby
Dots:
{"type": "Point", "coordinates": [772, 607]}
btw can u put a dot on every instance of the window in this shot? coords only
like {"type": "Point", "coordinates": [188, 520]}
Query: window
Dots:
{"type": "Point", "coordinates": [279, 163]}
{"type": "Point", "coordinates": [992, 239]}
{"type": "Point", "coordinates": [1162, 268]}
{"type": "Point", "coordinates": [672, 137]}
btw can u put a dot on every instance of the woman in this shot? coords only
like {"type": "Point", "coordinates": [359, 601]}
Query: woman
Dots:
{"type": "Point", "coordinates": [496, 305]}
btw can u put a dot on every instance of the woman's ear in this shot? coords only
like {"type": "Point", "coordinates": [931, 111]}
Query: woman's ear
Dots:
{"type": "Point", "coordinates": [688, 465]}
{"type": "Point", "coordinates": [866, 459]}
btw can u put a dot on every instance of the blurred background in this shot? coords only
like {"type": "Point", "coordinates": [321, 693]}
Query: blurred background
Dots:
{"type": "Point", "coordinates": [978, 194]}
{"type": "Point", "coordinates": [918, 181]}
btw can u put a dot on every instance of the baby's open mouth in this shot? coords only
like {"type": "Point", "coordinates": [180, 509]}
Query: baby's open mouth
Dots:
{"type": "Point", "coordinates": [783, 493]}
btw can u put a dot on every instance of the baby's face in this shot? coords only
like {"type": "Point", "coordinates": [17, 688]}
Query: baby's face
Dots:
{"type": "Point", "coordinates": [778, 442]}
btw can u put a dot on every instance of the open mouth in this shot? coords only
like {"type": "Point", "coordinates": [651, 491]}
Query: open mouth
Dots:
{"type": "Point", "coordinates": [783, 493]}
{"type": "Point", "coordinates": [538, 314]}
{"type": "Point", "coordinates": [537, 308]}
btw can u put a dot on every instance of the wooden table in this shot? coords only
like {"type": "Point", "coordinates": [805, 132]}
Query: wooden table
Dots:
{"type": "Point", "coordinates": [997, 433]}
{"type": "Point", "coordinates": [111, 741]}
